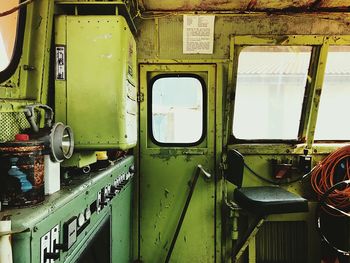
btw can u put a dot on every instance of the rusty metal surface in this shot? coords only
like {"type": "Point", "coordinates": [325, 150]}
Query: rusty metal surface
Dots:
{"type": "Point", "coordinates": [19, 151]}
{"type": "Point", "coordinates": [168, 38]}
{"type": "Point", "coordinates": [244, 5]}
{"type": "Point", "coordinates": [21, 173]}
{"type": "Point", "coordinates": [334, 4]}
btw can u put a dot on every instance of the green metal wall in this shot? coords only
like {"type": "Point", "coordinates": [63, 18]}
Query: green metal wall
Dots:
{"type": "Point", "coordinates": [160, 41]}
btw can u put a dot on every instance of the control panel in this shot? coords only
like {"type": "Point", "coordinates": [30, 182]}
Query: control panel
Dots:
{"type": "Point", "coordinates": [110, 191]}
{"type": "Point", "coordinates": [62, 225]}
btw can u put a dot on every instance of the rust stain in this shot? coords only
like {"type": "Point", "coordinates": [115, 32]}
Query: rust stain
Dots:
{"type": "Point", "coordinates": [270, 6]}
{"type": "Point", "coordinates": [316, 4]}
{"type": "Point", "coordinates": [39, 172]}
{"type": "Point", "coordinates": [141, 4]}
{"type": "Point", "coordinates": [334, 3]}
{"type": "Point", "coordinates": [23, 150]}
{"type": "Point", "coordinates": [212, 4]}
{"type": "Point", "coordinates": [318, 92]}
{"type": "Point", "coordinates": [23, 162]}
{"type": "Point", "coordinates": [251, 5]}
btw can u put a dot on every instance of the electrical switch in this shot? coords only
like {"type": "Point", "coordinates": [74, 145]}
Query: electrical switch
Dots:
{"type": "Point", "coordinates": [70, 233]}
{"type": "Point", "coordinates": [87, 213]}
{"type": "Point", "coordinates": [305, 162]}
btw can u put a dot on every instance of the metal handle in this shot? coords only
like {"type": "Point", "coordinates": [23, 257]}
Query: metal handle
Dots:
{"type": "Point", "coordinates": [206, 174]}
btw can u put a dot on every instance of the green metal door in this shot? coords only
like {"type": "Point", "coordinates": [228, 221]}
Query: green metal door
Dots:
{"type": "Point", "coordinates": [177, 132]}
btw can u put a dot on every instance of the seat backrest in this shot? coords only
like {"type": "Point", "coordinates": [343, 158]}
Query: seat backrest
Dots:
{"type": "Point", "coordinates": [235, 167]}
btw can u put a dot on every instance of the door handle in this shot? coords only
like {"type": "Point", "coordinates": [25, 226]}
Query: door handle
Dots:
{"type": "Point", "coordinates": [206, 174]}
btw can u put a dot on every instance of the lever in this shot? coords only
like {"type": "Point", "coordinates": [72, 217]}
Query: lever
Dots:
{"type": "Point", "coordinates": [193, 183]}
{"type": "Point", "coordinates": [206, 174]}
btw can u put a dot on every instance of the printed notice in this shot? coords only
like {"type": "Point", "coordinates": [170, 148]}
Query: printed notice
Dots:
{"type": "Point", "coordinates": [198, 34]}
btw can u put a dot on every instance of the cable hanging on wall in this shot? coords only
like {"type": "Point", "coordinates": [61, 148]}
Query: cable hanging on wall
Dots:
{"type": "Point", "coordinates": [333, 169]}
{"type": "Point", "coordinates": [14, 9]}
{"type": "Point", "coordinates": [330, 180]}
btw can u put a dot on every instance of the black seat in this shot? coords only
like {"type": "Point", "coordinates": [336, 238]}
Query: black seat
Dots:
{"type": "Point", "coordinates": [260, 201]}
{"type": "Point", "coordinates": [267, 200]}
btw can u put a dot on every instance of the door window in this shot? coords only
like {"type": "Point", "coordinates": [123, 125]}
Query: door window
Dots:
{"type": "Point", "coordinates": [177, 108]}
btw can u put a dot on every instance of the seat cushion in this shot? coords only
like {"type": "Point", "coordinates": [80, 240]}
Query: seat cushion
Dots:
{"type": "Point", "coordinates": [267, 200]}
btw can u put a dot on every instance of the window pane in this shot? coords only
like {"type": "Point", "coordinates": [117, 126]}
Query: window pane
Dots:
{"type": "Point", "coordinates": [177, 109]}
{"type": "Point", "coordinates": [269, 92]}
{"type": "Point", "coordinates": [8, 31]}
{"type": "Point", "coordinates": [334, 108]}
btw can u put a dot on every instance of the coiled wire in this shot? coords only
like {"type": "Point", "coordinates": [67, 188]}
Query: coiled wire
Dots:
{"type": "Point", "coordinates": [330, 171]}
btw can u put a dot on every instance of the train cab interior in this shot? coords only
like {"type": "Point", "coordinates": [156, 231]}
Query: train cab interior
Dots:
{"type": "Point", "coordinates": [202, 131]}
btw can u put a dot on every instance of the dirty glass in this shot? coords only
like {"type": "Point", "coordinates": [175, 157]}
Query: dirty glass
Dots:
{"type": "Point", "coordinates": [177, 110]}
{"type": "Point", "coordinates": [333, 115]}
{"type": "Point", "coordinates": [270, 89]}
{"type": "Point", "coordinates": [8, 32]}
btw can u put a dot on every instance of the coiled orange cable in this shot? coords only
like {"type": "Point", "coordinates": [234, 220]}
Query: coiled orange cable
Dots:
{"type": "Point", "coordinates": [324, 176]}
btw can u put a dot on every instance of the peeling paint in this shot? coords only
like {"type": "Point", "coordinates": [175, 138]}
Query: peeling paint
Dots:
{"type": "Point", "coordinates": [108, 56]}
{"type": "Point", "coordinates": [309, 78]}
{"type": "Point", "coordinates": [166, 193]}
{"type": "Point", "coordinates": [188, 158]}
{"type": "Point", "coordinates": [102, 37]}
{"type": "Point", "coordinates": [166, 154]}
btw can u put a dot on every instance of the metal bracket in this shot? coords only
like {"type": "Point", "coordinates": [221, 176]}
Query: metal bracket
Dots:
{"type": "Point", "coordinates": [140, 97]}
{"type": "Point", "coordinates": [244, 241]}
{"type": "Point", "coordinates": [28, 67]}
{"type": "Point", "coordinates": [29, 112]}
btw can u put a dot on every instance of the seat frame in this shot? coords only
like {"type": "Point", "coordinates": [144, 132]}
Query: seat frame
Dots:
{"type": "Point", "coordinates": [234, 174]}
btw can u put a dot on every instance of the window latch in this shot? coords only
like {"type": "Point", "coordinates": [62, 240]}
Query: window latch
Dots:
{"type": "Point", "coordinates": [140, 97]}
